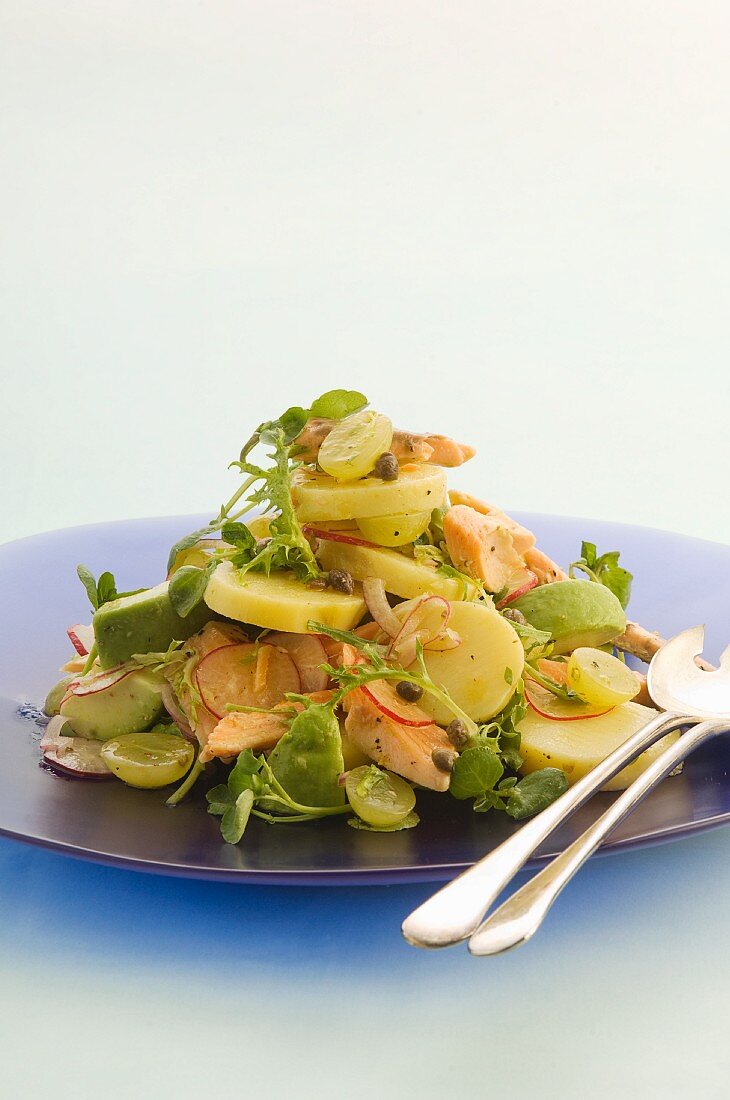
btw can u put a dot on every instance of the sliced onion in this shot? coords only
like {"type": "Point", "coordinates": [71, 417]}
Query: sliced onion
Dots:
{"type": "Point", "coordinates": [412, 631]}
{"type": "Point", "coordinates": [178, 715]}
{"type": "Point", "coordinates": [373, 591]}
{"type": "Point", "coordinates": [90, 685]}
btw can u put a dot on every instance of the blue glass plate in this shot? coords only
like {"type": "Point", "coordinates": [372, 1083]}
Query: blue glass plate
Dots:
{"type": "Point", "coordinates": [679, 582]}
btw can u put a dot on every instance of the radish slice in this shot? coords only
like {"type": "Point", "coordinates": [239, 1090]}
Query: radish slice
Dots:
{"type": "Point", "coordinates": [339, 536]}
{"type": "Point", "coordinates": [308, 653]}
{"type": "Point", "coordinates": [388, 701]}
{"type": "Point", "coordinates": [81, 637]}
{"type": "Point", "coordinates": [178, 715]}
{"type": "Point", "coordinates": [76, 756]}
{"type": "Point", "coordinates": [526, 581]}
{"type": "Point", "coordinates": [92, 684]}
{"type": "Point", "coordinates": [547, 705]}
{"type": "Point", "coordinates": [373, 591]}
{"type": "Point", "coordinates": [245, 675]}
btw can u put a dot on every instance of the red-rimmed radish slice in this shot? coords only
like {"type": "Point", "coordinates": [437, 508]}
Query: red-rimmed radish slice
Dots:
{"type": "Point", "coordinates": [383, 694]}
{"type": "Point", "coordinates": [90, 685]}
{"type": "Point", "coordinates": [337, 536]}
{"type": "Point", "coordinates": [81, 637]}
{"type": "Point", "coordinates": [77, 756]}
{"type": "Point", "coordinates": [524, 582]}
{"type": "Point", "coordinates": [248, 675]}
{"type": "Point", "coordinates": [547, 705]}
{"type": "Point", "coordinates": [308, 653]}
{"type": "Point", "coordinates": [178, 715]}
{"type": "Point", "coordinates": [373, 591]}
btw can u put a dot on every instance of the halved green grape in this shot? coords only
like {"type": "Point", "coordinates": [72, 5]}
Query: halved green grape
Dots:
{"type": "Point", "coordinates": [152, 759]}
{"type": "Point", "coordinates": [355, 444]}
{"type": "Point", "coordinates": [394, 530]}
{"type": "Point", "coordinates": [600, 678]}
{"type": "Point", "coordinates": [379, 797]}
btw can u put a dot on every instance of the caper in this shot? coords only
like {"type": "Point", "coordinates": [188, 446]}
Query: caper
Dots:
{"type": "Point", "coordinates": [457, 733]}
{"type": "Point", "coordinates": [341, 581]}
{"type": "Point", "coordinates": [444, 759]}
{"type": "Point", "coordinates": [409, 691]}
{"type": "Point", "coordinates": [387, 467]}
{"type": "Point", "coordinates": [514, 615]}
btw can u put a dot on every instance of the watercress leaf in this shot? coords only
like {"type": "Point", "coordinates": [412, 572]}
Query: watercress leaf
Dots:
{"type": "Point", "coordinates": [476, 770]}
{"type": "Point", "coordinates": [238, 535]}
{"type": "Point", "coordinates": [536, 791]}
{"type": "Point", "coordinates": [614, 576]}
{"type": "Point", "coordinates": [336, 404]}
{"type": "Point", "coordinates": [190, 540]}
{"type": "Point", "coordinates": [511, 759]}
{"type": "Point", "coordinates": [219, 799]}
{"type": "Point", "coordinates": [187, 586]}
{"type": "Point", "coordinates": [87, 579]}
{"type": "Point", "coordinates": [244, 771]}
{"type": "Point", "coordinates": [408, 822]}
{"type": "Point", "coordinates": [588, 553]}
{"type": "Point", "coordinates": [536, 643]}
{"type": "Point", "coordinates": [235, 819]}
{"type": "Point", "coordinates": [489, 800]}
{"type": "Point", "coordinates": [106, 589]}
{"type": "Point", "coordinates": [292, 422]}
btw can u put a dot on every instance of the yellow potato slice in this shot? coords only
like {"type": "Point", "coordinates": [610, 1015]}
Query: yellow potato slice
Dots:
{"type": "Point", "coordinates": [578, 746]}
{"type": "Point", "coordinates": [279, 601]}
{"type": "Point", "coordinates": [481, 675]}
{"type": "Point", "coordinates": [402, 576]}
{"type": "Point", "coordinates": [318, 497]}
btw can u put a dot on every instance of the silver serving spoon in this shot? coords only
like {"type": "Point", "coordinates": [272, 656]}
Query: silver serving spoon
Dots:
{"type": "Point", "coordinates": [687, 695]}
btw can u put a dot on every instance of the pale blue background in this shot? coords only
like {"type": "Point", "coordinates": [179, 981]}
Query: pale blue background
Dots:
{"type": "Point", "coordinates": [504, 221]}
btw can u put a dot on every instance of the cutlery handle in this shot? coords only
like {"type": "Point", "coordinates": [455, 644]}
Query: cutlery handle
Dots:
{"type": "Point", "coordinates": [522, 914]}
{"type": "Point", "coordinates": [455, 911]}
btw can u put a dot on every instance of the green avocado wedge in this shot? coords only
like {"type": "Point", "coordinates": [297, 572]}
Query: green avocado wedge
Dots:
{"type": "Point", "coordinates": [143, 623]}
{"type": "Point", "coordinates": [308, 761]}
{"type": "Point", "coordinates": [130, 705]}
{"type": "Point", "coordinates": [574, 613]}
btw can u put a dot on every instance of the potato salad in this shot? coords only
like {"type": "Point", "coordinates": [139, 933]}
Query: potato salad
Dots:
{"type": "Point", "coordinates": [346, 633]}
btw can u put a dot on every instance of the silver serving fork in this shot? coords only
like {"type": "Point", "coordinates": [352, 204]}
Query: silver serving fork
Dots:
{"type": "Point", "coordinates": [687, 694]}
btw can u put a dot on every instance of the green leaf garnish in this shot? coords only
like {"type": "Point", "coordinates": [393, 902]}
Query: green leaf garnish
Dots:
{"type": "Point", "coordinates": [476, 771]}
{"type": "Point", "coordinates": [187, 587]}
{"type": "Point", "coordinates": [102, 591]}
{"type": "Point", "coordinates": [337, 404]}
{"type": "Point", "coordinates": [604, 569]}
{"type": "Point", "coordinates": [534, 792]}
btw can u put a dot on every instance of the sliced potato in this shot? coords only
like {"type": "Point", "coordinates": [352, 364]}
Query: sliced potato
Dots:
{"type": "Point", "coordinates": [577, 746]}
{"type": "Point", "coordinates": [279, 601]}
{"type": "Point", "coordinates": [482, 673]}
{"type": "Point", "coordinates": [402, 576]}
{"type": "Point", "coordinates": [318, 496]}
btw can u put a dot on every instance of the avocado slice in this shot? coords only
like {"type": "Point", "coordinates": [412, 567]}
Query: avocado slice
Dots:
{"type": "Point", "coordinates": [129, 705]}
{"type": "Point", "coordinates": [143, 623]}
{"type": "Point", "coordinates": [575, 613]}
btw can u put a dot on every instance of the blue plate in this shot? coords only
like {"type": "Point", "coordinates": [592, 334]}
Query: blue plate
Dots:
{"type": "Point", "coordinates": [679, 582]}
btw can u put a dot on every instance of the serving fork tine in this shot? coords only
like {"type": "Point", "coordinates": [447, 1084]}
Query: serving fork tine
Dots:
{"type": "Point", "coordinates": [687, 695]}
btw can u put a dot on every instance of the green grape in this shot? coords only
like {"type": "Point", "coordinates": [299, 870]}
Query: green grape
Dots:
{"type": "Point", "coordinates": [600, 678]}
{"type": "Point", "coordinates": [379, 797]}
{"type": "Point", "coordinates": [394, 530]}
{"type": "Point", "coordinates": [151, 759]}
{"type": "Point", "coordinates": [354, 445]}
